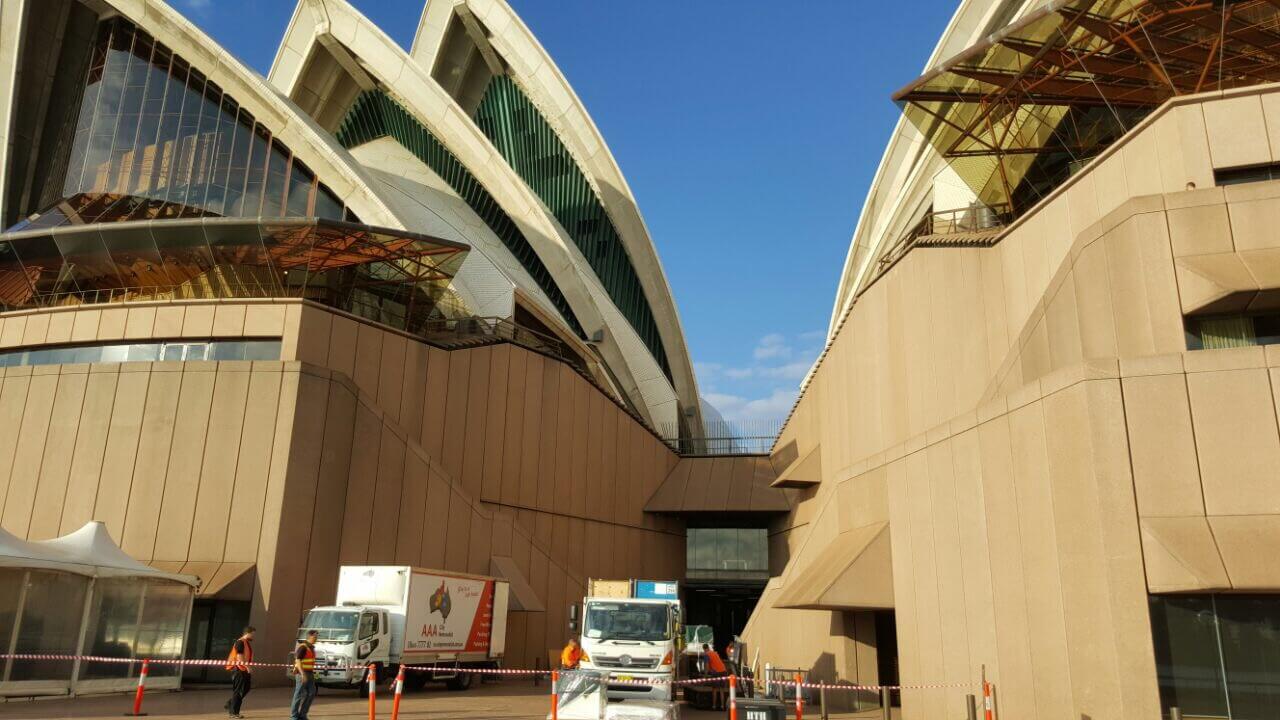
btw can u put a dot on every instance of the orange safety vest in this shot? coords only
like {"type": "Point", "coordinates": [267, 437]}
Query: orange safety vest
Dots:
{"type": "Point", "coordinates": [308, 660]}
{"type": "Point", "coordinates": [238, 661]}
{"type": "Point", "coordinates": [714, 663]}
{"type": "Point", "coordinates": [570, 657]}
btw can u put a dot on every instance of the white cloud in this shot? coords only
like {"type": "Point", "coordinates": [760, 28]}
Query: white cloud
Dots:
{"type": "Point", "coordinates": [736, 408]}
{"type": "Point", "coordinates": [197, 6]}
{"type": "Point", "coordinates": [773, 345]}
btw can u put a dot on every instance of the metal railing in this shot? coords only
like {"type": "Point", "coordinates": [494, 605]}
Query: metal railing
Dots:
{"type": "Point", "coordinates": [725, 437]}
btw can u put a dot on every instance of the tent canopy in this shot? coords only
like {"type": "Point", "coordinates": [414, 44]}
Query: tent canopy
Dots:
{"type": "Point", "coordinates": [88, 551]}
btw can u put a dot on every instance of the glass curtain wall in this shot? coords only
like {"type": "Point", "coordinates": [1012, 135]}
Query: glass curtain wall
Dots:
{"type": "Point", "coordinates": [1218, 656]}
{"type": "Point", "coordinates": [727, 554]}
{"type": "Point", "coordinates": [155, 139]}
{"type": "Point", "coordinates": [43, 612]}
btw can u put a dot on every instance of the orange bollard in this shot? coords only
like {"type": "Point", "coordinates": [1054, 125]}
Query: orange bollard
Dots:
{"type": "Point", "coordinates": [142, 684]}
{"type": "Point", "coordinates": [733, 697]}
{"type": "Point", "coordinates": [555, 699]}
{"type": "Point", "coordinates": [799, 699]}
{"type": "Point", "coordinates": [373, 691]}
{"type": "Point", "coordinates": [395, 701]}
{"type": "Point", "coordinates": [988, 707]}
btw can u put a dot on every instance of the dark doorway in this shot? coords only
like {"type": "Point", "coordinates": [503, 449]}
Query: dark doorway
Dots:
{"type": "Point", "coordinates": [215, 624]}
{"type": "Point", "coordinates": [887, 651]}
{"type": "Point", "coordinates": [724, 605]}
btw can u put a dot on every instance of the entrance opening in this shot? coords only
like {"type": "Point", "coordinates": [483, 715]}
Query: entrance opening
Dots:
{"type": "Point", "coordinates": [887, 652]}
{"type": "Point", "coordinates": [726, 569]}
{"type": "Point", "coordinates": [215, 625]}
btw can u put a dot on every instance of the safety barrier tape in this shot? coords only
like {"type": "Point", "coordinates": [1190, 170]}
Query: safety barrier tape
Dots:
{"type": "Point", "coordinates": [486, 671]}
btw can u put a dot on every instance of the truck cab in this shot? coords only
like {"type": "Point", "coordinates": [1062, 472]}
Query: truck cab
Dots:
{"type": "Point", "coordinates": [635, 642]}
{"type": "Point", "coordinates": [349, 638]}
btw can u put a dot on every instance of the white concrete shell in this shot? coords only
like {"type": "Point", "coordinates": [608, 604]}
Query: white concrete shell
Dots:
{"type": "Point", "coordinates": [317, 149]}
{"type": "Point", "coordinates": [537, 74]}
{"type": "Point", "coordinates": [327, 23]}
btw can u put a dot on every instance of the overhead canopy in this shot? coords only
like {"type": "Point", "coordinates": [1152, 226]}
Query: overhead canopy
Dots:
{"type": "Point", "coordinates": [719, 484]}
{"type": "Point", "coordinates": [853, 572]}
{"type": "Point", "coordinates": [1016, 113]}
{"type": "Point", "coordinates": [88, 551]}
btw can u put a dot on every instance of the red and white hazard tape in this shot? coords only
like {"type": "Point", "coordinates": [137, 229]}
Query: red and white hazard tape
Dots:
{"type": "Point", "coordinates": [482, 671]}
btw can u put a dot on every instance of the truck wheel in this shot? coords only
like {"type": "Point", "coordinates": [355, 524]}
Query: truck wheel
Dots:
{"type": "Point", "coordinates": [415, 681]}
{"type": "Point", "coordinates": [461, 681]}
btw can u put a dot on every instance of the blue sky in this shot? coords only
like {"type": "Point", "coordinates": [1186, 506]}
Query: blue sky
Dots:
{"type": "Point", "coordinates": [749, 132]}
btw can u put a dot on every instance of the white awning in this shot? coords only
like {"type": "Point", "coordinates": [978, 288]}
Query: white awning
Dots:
{"type": "Point", "coordinates": [88, 551]}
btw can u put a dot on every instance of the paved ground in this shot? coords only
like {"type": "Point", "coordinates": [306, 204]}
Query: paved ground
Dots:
{"type": "Point", "coordinates": [516, 701]}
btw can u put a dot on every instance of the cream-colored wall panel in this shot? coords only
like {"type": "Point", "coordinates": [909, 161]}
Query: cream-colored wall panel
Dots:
{"type": "Point", "coordinates": [1093, 300]}
{"type": "Point", "coordinates": [1128, 283]}
{"type": "Point", "coordinates": [1234, 416]}
{"type": "Point", "coordinates": [140, 322]}
{"type": "Point", "coordinates": [342, 346]}
{"type": "Point", "coordinates": [1237, 133]}
{"type": "Point", "coordinates": [391, 374]}
{"type": "Point", "coordinates": [210, 521]}
{"type": "Point", "coordinates": [357, 520]}
{"type": "Point", "coordinates": [1142, 164]}
{"type": "Point", "coordinates": [59, 327]}
{"type": "Point", "coordinates": [151, 464]}
{"type": "Point", "coordinates": [186, 457]}
{"type": "Point", "coordinates": [368, 360]}
{"type": "Point", "coordinates": [1166, 474]}
{"type": "Point", "coordinates": [1184, 149]}
{"type": "Point", "coordinates": [264, 408]}
{"type": "Point", "coordinates": [1253, 223]}
{"type": "Point", "coordinates": [90, 445]}
{"type": "Point", "coordinates": [1110, 183]}
{"type": "Point", "coordinates": [1047, 634]}
{"type": "Point", "coordinates": [264, 320]}
{"type": "Point", "coordinates": [495, 424]}
{"type": "Point", "coordinates": [120, 455]}
{"type": "Point", "coordinates": [32, 433]}
{"type": "Point", "coordinates": [111, 325]}
{"type": "Point", "coordinates": [1091, 654]}
{"type": "Point", "coordinates": [169, 321]}
{"type": "Point", "coordinates": [1248, 544]}
{"type": "Point", "coordinates": [84, 328]}
{"type": "Point", "coordinates": [1200, 229]}
{"type": "Point", "coordinates": [55, 465]}
{"type": "Point", "coordinates": [35, 329]}
{"type": "Point", "coordinates": [197, 321]}
{"type": "Point", "coordinates": [387, 492]}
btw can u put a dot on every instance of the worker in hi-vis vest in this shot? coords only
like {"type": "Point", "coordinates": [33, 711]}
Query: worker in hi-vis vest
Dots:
{"type": "Point", "coordinates": [571, 655]}
{"type": "Point", "coordinates": [239, 662]}
{"type": "Point", "coordinates": [304, 678]}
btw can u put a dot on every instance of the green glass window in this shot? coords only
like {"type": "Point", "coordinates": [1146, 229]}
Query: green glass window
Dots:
{"type": "Point", "coordinates": [532, 148]}
{"type": "Point", "coordinates": [375, 114]}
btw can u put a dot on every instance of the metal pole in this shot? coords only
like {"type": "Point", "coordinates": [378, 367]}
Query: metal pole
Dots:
{"type": "Point", "coordinates": [971, 706]}
{"type": "Point", "coordinates": [886, 703]}
{"type": "Point", "coordinates": [822, 701]}
{"type": "Point", "coordinates": [1175, 713]}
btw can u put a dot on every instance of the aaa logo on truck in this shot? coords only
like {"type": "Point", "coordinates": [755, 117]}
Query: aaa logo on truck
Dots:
{"type": "Point", "coordinates": [440, 601]}
{"type": "Point", "coordinates": [465, 619]}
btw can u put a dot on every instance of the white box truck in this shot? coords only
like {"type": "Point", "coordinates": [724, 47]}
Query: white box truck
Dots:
{"type": "Point", "coordinates": [631, 633]}
{"type": "Point", "coordinates": [386, 615]}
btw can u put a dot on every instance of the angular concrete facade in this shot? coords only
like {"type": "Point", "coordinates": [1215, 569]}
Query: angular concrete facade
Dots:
{"type": "Point", "coordinates": [1050, 458]}
{"type": "Point", "coordinates": [434, 374]}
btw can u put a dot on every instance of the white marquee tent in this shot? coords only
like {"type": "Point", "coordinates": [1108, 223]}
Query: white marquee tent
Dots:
{"type": "Point", "coordinates": [80, 594]}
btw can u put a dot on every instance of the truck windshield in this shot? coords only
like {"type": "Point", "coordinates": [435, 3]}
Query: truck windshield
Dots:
{"type": "Point", "coordinates": [331, 625]}
{"type": "Point", "coordinates": [626, 621]}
